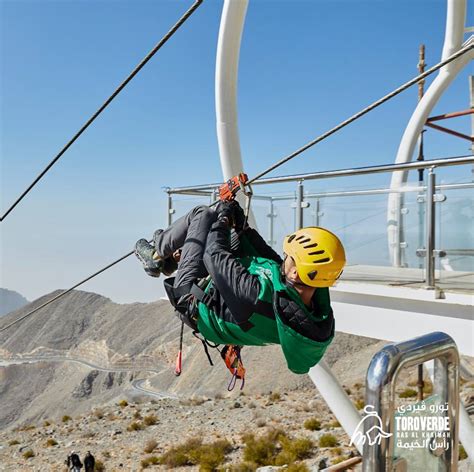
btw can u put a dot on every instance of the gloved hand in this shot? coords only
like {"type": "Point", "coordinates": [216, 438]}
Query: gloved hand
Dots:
{"type": "Point", "coordinates": [239, 217]}
{"type": "Point", "coordinates": [225, 211]}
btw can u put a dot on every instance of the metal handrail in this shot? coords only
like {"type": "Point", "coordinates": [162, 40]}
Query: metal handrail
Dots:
{"type": "Point", "coordinates": [375, 191]}
{"type": "Point", "coordinates": [452, 161]}
{"type": "Point", "coordinates": [342, 193]}
{"type": "Point", "coordinates": [427, 197]}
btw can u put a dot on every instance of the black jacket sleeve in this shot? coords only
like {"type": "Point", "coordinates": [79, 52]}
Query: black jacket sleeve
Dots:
{"type": "Point", "coordinates": [260, 246]}
{"type": "Point", "coordinates": [237, 287]}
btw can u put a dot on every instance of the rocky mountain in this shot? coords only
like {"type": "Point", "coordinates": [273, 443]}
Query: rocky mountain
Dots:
{"type": "Point", "coordinates": [10, 301]}
{"type": "Point", "coordinates": [86, 350]}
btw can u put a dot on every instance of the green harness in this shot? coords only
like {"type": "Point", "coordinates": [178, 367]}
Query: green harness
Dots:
{"type": "Point", "coordinates": [301, 353]}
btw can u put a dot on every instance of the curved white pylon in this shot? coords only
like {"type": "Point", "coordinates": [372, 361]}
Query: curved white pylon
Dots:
{"type": "Point", "coordinates": [455, 20]}
{"type": "Point", "coordinates": [227, 65]}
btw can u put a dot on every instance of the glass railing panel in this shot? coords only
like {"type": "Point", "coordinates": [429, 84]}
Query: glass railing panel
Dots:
{"type": "Point", "coordinates": [356, 210]}
{"type": "Point", "coordinates": [455, 236]}
{"type": "Point", "coordinates": [182, 204]}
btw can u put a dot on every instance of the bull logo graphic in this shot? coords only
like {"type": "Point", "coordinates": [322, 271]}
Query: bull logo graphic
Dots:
{"type": "Point", "coordinates": [374, 434]}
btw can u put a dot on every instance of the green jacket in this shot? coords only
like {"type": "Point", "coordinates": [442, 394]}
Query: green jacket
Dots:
{"type": "Point", "coordinates": [278, 316]}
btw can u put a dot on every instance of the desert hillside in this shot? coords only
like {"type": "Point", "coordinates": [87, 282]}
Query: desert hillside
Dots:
{"type": "Point", "coordinates": [118, 345]}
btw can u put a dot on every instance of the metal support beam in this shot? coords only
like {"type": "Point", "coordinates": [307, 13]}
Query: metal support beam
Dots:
{"type": "Point", "coordinates": [336, 398]}
{"type": "Point", "coordinates": [451, 132]}
{"type": "Point", "coordinates": [454, 114]}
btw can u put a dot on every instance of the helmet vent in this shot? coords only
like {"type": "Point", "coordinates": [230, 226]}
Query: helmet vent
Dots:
{"type": "Point", "coordinates": [312, 274]}
{"type": "Point", "coordinates": [291, 237]}
{"type": "Point", "coordinates": [314, 253]}
{"type": "Point", "coordinates": [320, 261]}
{"type": "Point", "coordinates": [311, 245]}
{"type": "Point", "coordinates": [304, 241]}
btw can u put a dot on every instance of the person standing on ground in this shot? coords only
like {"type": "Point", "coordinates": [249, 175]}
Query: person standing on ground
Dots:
{"type": "Point", "coordinates": [73, 462]}
{"type": "Point", "coordinates": [89, 462]}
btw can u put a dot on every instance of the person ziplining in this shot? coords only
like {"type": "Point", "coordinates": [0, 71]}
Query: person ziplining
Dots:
{"type": "Point", "coordinates": [235, 290]}
{"type": "Point", "coordinates": [465, 49]}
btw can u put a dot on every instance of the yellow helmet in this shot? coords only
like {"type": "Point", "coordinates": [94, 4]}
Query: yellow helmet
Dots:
{"type": "Point", "coordinates": [318, 254]}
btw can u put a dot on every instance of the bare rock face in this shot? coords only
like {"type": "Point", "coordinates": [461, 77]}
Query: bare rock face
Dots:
{"type": "Point", "coordinates": [84, 389]}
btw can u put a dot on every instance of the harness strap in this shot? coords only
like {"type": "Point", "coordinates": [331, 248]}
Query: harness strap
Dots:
{"type": "Point", "coordinates": [206, 344]}
{"type": "Point", "coordinates": [201, 295]}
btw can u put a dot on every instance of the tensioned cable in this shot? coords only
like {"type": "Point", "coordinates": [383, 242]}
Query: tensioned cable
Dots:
{"type": "Point", "coordinates": [135, 71]}
{"type": "Point", "coordinates": [279, 163]}
{"type": "Point", "coordinates": [66, 291]}
{"type": "Point", "coordinates": [379, 102]}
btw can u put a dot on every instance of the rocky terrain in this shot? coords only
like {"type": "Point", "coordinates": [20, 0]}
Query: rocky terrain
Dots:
{"type": "Point", "coordinates": [136, 433]}
{"type": "Point", "coordinates": [90, 357]}
{"type": "Point", "coordinates": [136, 341]}
{"type": "Point", "coordinates": [113, 433]}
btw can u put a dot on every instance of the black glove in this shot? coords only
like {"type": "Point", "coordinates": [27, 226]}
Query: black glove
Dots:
{"type": "Point", "coordinates": [239, 217]}
{"type": "Point", "coordinates": [225, 211]}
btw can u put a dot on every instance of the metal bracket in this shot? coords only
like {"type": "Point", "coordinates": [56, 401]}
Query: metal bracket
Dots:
{"type": "Point", "coordinates": [271, 215]}
{"type": "Point", "coordinates": [405, 211]}
{"type": "Point", "coordinates": [172, 211]}
{"type": "Point", "coordinates": [404, 245]}
{"type": "Point", "coordinates": [436, 253]}
{"type": "Point", "coordinates": [437, 197]}
{"type": "Point", "coordinates": [303, 205]}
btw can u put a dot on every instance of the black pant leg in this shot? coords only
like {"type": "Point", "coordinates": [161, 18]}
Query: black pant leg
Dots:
{"type": "Point", "coordinates": [191, 266]}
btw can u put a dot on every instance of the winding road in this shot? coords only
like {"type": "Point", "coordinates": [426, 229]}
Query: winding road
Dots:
{"type": "Point", "coordinates": [136, 384]}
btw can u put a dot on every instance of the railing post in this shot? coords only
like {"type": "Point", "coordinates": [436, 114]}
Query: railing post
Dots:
{"type": "Point", "coordinates": [300, 205]}
{"type": "Point", "coordinates": [317, 212]}
{"type": "Point", "coordinates": [271, 216]}
{"type": "Point", "coordinates": [430, 236]}
{"type": "Point", "coordinates": [421, 218]}
{"type": "Point", "coordinates": [170, 210]}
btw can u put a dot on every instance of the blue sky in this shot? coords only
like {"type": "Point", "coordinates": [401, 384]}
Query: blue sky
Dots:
{"type": "Point", "coordinates": [304, 67]}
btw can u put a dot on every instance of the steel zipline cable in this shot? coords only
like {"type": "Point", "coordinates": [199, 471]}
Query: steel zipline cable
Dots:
{"type": "Point", "coordinates": [459, 53]}
{"type": "Point", "coordinates": [66, 291]}
{"type": "Point", "coordinates": [462, 51]}
{"type": "Point", "coordinates": [135, 71]}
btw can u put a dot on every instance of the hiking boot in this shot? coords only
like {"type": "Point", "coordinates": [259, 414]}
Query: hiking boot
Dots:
{"type": "Point", "coordinates": [145, 252]}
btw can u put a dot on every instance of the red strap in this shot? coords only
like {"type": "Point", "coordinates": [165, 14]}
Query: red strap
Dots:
{"type": "Point", "coordinates": [179, 359]}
